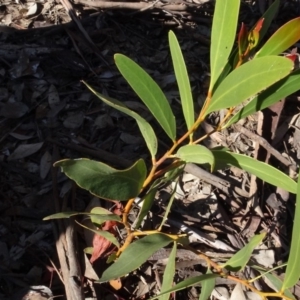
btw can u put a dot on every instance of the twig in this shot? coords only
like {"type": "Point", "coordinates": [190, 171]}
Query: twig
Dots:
{"type": "Point", "coordinates": [219, 183]}
{"type": "Point", "coordinates": [134, 5]}
{"type": "Point", "coordinates": [264, 143]}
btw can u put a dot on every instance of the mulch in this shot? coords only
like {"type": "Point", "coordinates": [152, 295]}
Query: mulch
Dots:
{"type": "Point", "coordinates": [47, 114]}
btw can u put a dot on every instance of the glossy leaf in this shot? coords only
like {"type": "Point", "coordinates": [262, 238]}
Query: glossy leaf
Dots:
{"type": "Point", "coordinates": [260, 169]}
{"type": "Point", "coordinates": [292, 272]}
{"type": "Point", "coordinates": [273, 94]}
{"type": "Point", "coordinates": [149, 92]}
{"type": "Point", "coordinates": [99, 219]}
{"type": "Point", "coordinates": [104, 181]}
{"type": "Point", "coordinates": [207, 287]}
{"type": "Point", "coordinates": [145, 128]}
{"type": "Point", "coordinates": [248, 80]}
{"type": "Point", "coordinates": [169, 274]}
{"type": "Point", "coordinates": [196, 154]}
{"type": "Point", "coordinates": [135, 255]}
{"type": "Point", "coordinates": [182, 81]}
{"type": "Point", "coordinates": [223, 34]}
{"type": "Point", "coordinates": [189, 282]}
{"type": "Point", "coordinates": [239, 260]}
{"type": "Point", "coordinates": [285, 37]}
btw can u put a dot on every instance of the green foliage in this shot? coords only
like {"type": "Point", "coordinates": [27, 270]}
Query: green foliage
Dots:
{"type": "Point", "coordinates": [223, 36]}
{"type": "Point", "coordinates": [189, 282]}
{"type": "Point", "coordinates": [237, 75]}
{"type": "Point", "coordinates": [97, 218]}
{"type": "Point", "coordinates": [248, 80]}
{"type": "Point", "coordinates": [271, 95]}
{"type": "Point", "coordinates": [135, 255]}
{"type": "Point", "coordinates": [292, 270]}
{"type": "Point", "coordinates": [149, 92]}
{"type": "Point", "coordinates": [145, 128]}
{"type": "Point", "coordinates": [182, 81]}
{"type": "Point", "coordinates": [169, 274]}
{"type": "Point", "coordinates": [260, 169]}
{"type": "Point", "coordinates": [208, 286]}
{"type": "Point", "coordinates": [197, 154]}
{"type": "Point", "coordinates": [239, 260]}
{"type": "Point", "coordinates": [104, 181]}
{"type": "Point", "coordinates": [282, 39]}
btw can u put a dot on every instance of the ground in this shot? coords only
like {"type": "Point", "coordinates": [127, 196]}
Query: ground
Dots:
{"type": "Point", "coordinates": [47, 114]}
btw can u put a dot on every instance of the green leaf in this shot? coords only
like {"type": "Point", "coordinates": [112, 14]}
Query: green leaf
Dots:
{"type": "Point", "coordinates": [148, 200]}
{"type": "Point", "coordinates": [189, 282]}
{"type": "Point", "coordinates": [88, 250]}
{"type": "Point", "coordinates": [248, 80]}
{"type": "Point", "coordinates": [145, 128]}
{"type": "Point", "coordinates": [223, 34]}
{"type": "Point", "coordinates": [239, 260]}
{"type": "Point", "coordinates": [292, 272]}
{"type": "Point", "coordinates": [99, 219]}
{"type": "Point", "coordinates": [274, 280]}
{"type": "Point", "coordinates": [260, 169]}
{"type": "Point", "coordinates": [182, 81]}
{"type": "Point", "coordinates": [196, 154]}
{"type": "Point", "coordinates": [149, 92]}
{"type": "Point", "coordinates": [110, 237]}
{"type": "Point", "coordinates": [170, 203]}
{"type": "Point", "coordinates": [169, 274]}
{"type": "Point", "coordinates": [98, 214]}
{"type": "Point", "coordinates": [207, 287]}
{"type": "Point", "coordinates": [104, 181]}
{"type": "Point", "coordinates": [268, 17]}
{"type": "Point", "coordinates": [285, 37]}
{"type": "Point", "coordinates": [273, 94]}
{"type": "Point", "coordinates": [135, 255]}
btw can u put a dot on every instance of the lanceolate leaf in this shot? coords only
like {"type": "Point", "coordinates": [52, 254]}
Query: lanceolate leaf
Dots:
{"type": "Point", "coordinates": [253, 166]}
{"type": "Point", "coordinates": [103, 180]}
{"type": "Point", "coordinates": [148, 200]}
{"type": "Point", "coordinates": [222, 36]}
{"type": "Point", "coordinates": [271, 95]}
{"type": "Point", "coordinates": [286, 36]}
{"type": "Point", "coordinates": [189, 282]}
{"type": "Point", "coordinates": [135, 255]}
{"type": "Point", "coordinates": [248, 80]}
{"type": "Point", "coordinates": [239, 260]}
{"type": "Point", "coordinates": [169, 274]}
{"type": "Point", "coordinates": [197, 154]}
{"type": "Point", "coordinates": [98, 218]}
{"type": "Point", "coordinates": [144, 126]}
{"type": "Point", "coordinates": [268, 17]}
{"type": "Point", "coordinates": [149, 92]}
{"type": "Point", "coordinates": [272, 280]}
{"type": "Point", "coordinates": [182, 81]}
{"type": "Point", "coordinates": [207, 287]}
{"type": "Point", "coordinates": [292, 273]}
